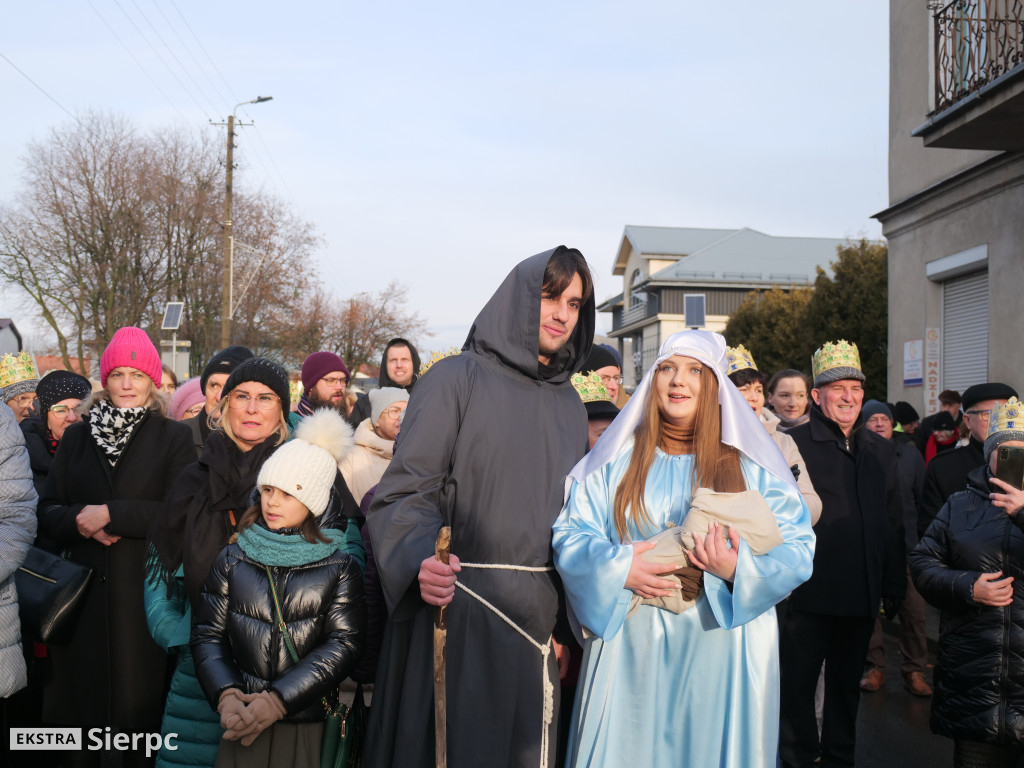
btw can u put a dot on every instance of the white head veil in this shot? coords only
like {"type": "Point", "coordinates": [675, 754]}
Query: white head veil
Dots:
{"type": "Point", "coordinates": [740, 426]}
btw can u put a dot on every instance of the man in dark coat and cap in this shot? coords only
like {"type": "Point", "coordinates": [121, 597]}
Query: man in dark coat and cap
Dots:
{"type": "Point", "coordinates": [947, 473]}
{"type": "Point", "coordinates": [485, 447]}
{"type": "Point", "coordinates": [858, 563]}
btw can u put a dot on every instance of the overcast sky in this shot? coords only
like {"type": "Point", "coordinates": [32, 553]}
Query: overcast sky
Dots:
{"type": "Point", "coordinates": [440, 143]}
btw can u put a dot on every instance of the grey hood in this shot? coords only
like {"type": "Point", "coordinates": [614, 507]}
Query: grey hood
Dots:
{"type": "Point", "coordinates": [508, 327]}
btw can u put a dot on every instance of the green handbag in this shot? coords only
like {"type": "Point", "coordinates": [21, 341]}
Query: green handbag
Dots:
{"type": "Point", "coordinates": [342, 743]}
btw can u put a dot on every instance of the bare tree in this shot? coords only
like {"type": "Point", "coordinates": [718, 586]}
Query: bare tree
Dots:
{"type": "Point", "coordinates": [110, 223]}
{"type": "Point", "coordinates": [357, 329]}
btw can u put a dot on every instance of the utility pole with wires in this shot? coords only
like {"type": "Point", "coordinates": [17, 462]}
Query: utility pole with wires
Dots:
{"type": "Point", "coordinates": [226, 311]}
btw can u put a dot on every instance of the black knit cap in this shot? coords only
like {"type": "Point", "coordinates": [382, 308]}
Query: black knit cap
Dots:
{"type": "Point", "coordinates": [262, 371]}
{"type": "Point", "coordinates": [61, 385]}
{"type": "Point", "coordinates": [600, 357]}
{"type": "Point", "coordinates": [601, 409]}
{"type": "Point", "coordinates": [224, 361]}
{"type": "Point", "coordinates": [991, 390]}
{"type": "Point", "coordinates": [905, 413]}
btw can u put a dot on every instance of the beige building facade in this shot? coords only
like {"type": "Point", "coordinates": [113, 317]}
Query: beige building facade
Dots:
{"type": "Point", "coordinates": [955, 221]}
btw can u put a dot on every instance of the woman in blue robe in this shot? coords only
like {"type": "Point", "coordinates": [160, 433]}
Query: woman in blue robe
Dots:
{"type": "Point", "coordinates": [700, 687]}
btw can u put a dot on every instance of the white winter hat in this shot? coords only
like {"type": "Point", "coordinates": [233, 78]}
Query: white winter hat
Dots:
{"type": "Point", "coordinates": [383, 398]}
{"type": "Point", "coordinates": [305, 466]}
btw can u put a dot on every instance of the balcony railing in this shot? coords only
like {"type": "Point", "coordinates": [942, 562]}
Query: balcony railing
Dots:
{"type": "Point", "coordinates": [976, 41]}
{"type": "Point", "coordinates": [637, 312]}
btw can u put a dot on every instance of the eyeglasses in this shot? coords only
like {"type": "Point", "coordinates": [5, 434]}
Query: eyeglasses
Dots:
{"type": "Point", "coordinates": [609, 379]}
{"type": "Point", "coordinates": [240, 400]}
{"type": "Point", "coordinates": [393, 411]}
{"type": "Point", "coordinates": [335, 381]}
{"type": "Point", "coordinates": [61, 410]}
{"type": "Point", "coordinates": [195, 409]}
{"type": "Point", "coordinates": [982, 415]}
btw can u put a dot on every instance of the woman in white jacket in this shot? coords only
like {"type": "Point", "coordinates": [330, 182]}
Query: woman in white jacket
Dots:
{"type": "Point", "coordinates": [364, 466]}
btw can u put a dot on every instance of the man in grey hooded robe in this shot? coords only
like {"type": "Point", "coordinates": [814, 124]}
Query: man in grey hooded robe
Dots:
{"type": "Point", "coordinates": [487, 441]}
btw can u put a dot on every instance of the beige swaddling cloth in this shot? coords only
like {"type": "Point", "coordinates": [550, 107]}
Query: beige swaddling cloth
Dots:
{"type": "Point", "coordinates": [747, 512]}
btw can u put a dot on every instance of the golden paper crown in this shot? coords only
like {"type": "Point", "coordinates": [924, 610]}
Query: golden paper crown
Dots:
{"type": "Point", "coordinates": [590, 387]}
{"type": "Point", "coordinates": [738, 358]}
{"type": "Point", "coordinates": [435, 356]}
{"type": "Point", "coordinates": [832, 356]}
{"type": "Point", "coordinates": [15, 368]}
{"type": "Point", "coordinates": [1006, 417]}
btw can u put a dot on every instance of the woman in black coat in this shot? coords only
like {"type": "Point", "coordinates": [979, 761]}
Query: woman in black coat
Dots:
{"type": "Point", "coordinates": [970, 563]}
{"type": "Point", "coordinates": [109, 479]}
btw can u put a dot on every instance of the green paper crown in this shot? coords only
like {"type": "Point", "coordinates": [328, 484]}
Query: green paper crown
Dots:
{"type": "Point", "coordinates": [838, 354]}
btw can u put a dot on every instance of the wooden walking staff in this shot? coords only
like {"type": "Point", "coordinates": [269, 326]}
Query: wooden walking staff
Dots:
{"type": "Point", "coordinates": [441, 552]}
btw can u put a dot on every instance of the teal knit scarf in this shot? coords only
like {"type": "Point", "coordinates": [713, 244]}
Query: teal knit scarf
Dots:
{"type": "Point", "coordinates": [269, 547]}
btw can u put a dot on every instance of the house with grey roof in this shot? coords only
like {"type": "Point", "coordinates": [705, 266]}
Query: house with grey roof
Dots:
{"type": "Point", "coordinates": [674, 278]}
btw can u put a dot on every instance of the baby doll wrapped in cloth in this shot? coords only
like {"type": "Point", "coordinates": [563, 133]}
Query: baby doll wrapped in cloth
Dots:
{"type": "Point", "coordinates": [747, 512]}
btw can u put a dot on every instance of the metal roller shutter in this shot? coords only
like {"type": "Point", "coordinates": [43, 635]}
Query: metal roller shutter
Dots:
{"type": "Point", "coordinates": [965, 331]}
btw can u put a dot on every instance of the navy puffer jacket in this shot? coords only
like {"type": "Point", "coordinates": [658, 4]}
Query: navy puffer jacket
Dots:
{"type": "Point", "coordinates": [979, 677]}
{"type": "Point", "coordinates": [236, 641]}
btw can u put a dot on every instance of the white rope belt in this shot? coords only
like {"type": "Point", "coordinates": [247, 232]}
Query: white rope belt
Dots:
{"type": "Point", "coordinates": [548, 713]}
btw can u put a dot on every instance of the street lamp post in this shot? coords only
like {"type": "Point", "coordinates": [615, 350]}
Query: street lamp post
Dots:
{"type": "Point", "coordinates": [225, 319]}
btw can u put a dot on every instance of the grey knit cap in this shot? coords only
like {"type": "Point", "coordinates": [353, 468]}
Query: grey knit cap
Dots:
{"type": "Point", "coordinates": [996, 439]}
{"type": "Point", "coordinates": [838, 374]}
{"type": "Point", "coordinates": [10, 392]}
{"type": "Point", "coordinates": [383, 398]}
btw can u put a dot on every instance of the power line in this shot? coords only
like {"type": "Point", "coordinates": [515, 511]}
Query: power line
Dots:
{"type": "Point", "coordinates": [195, 61]}
{"type": "Point", "coordinates": [203, 49]}
{"type": "Point", "coordinates": [265, 149]}
{"type": "Point", "coordinates": [170, 50]}
{"type": "Point", "coordinates": [41, 89]}
{"type": "Point", "coordinates": [270, 157]}
{"type": "Point", "coordinates": [137, 62]}
{"type": "Point", "coordinates": [161, 58]}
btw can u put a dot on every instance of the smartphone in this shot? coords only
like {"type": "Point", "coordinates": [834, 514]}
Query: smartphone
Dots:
{"type": "Point", "coordinates": [1010, 465]}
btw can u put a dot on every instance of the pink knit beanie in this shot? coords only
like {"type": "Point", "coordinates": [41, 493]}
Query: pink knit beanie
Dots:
{"type": "Point", "coordinates": [131, 348]}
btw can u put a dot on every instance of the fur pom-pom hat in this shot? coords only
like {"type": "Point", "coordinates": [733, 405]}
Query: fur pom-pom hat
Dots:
{"type": "Point", "coordinates": [306, 465]}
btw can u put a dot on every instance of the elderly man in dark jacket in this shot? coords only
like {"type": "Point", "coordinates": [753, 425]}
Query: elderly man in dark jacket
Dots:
{"type": "Point", "coordinates": [487, 441]}
{"type": "Point", "coordinates": [947, 474]}
{"type": "Point", "coordinates": [858, 562]}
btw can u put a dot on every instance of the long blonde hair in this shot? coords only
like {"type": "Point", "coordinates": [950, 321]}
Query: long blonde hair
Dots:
{"type": "Point", "coordinates": [716, 465]}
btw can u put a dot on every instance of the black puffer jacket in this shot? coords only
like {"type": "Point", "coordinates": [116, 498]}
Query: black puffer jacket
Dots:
{"type": "Point", "coordinates": [236, 641]}
{"type": "Point", "coordinates": [979, 677]}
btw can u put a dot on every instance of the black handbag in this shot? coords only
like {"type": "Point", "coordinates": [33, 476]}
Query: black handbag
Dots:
{"type": "Point", "coordinates": [51, 594]}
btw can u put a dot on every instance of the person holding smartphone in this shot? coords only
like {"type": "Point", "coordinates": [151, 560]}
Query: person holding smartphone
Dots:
{"type": "Point", "coordinates": [968, 565]}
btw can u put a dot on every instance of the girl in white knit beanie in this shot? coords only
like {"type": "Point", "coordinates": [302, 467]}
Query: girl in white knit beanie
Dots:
{"type": "Point", "coordinates": [282, 616]}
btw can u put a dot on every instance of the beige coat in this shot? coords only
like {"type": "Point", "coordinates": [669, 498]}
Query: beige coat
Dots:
{"type": "Point", "coordinates": [793, 458]}
{"type": "Point", "coordinates": [364, 465]}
